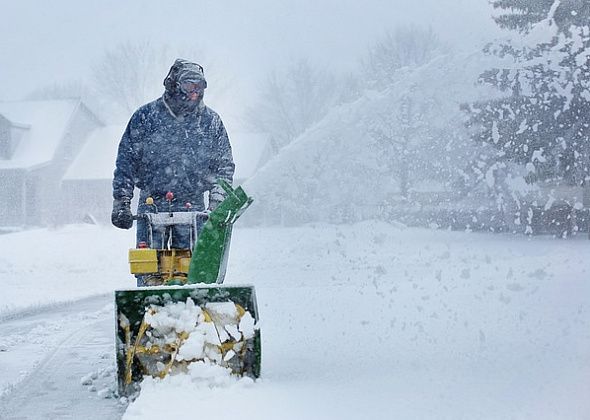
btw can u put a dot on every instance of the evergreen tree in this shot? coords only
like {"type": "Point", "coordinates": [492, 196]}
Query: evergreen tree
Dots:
{"type": "Point", "coordinates": [543, 122]}
{"type": "Point", "coordinates": [521, 15]}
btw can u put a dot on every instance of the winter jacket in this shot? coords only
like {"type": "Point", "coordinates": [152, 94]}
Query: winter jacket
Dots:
{"type": "Point", "coordinates": [160, 152]}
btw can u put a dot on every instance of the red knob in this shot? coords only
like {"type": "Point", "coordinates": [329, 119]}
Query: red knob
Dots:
{"type": "Point", "coordinates": [169, 196]}
{"type": "Point", "coordinates": [142, 245]}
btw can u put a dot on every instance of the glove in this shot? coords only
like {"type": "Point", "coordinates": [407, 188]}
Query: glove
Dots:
{"type": "Point", "coordinates": [121, 215]}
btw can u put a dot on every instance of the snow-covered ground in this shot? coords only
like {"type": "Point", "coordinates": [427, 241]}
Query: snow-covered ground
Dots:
{"type": "Point", "coordinates": [370, 320]}
{"type": "Point", "coordinates": [43, 267]}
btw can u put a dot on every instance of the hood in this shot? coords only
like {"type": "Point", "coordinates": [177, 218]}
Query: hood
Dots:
{"type": "Point", "coordinates": [182, 71]}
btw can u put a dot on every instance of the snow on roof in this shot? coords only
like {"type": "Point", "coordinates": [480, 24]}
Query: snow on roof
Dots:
{"type": "Point", "coordinates": [48, 122]}
{"type": "Point", "coordinates": [96, 160]}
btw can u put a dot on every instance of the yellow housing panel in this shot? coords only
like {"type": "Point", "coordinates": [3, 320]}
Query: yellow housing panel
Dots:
{"type": "Point", "coordinates": [142, 261]}
{"type": "Point", "coordinates": [184, 264]}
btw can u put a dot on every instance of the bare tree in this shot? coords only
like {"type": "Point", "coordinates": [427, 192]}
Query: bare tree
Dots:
{"type": "Point", "coordinates": [400, 132]}
{"type": "Point", "coordinates": [400, 128]}
{"type": "Point", "coordinates": [407, 46]}
{"type": "Point", "coordinates": [127, 75]}
{"type": "Point", "coordinates": [131, 74]}
{"type": "Point", "coordinates": [291, 101]}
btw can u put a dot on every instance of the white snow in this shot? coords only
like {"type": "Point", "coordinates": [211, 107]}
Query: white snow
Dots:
{"type": "Point", "coordinates": [47, 123]}
{"type": "Point", "coordinates": [97, 158]}
{"type": "Point", "coordinates": [246, 326]}
{"type": "Point", "coordinates": [194, 346]}
{"type": "Point", "coordinates": [184, 323]}
{"type": "Point", "coordinates": [48, 266]}
{"type": "Point", "coordinates": [175, 317]}
{"type": "Point", "coordinates": [356, 321]}
{"type": "Point", "coordinates": [495, 132]}
{"type": "Point", "coordinates": [317, 175]}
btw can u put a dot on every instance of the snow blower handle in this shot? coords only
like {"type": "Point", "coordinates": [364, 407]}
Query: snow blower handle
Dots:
{"type": "Point", "coordinates": [170, 218]}
{"type": "Point", "coordinates": [174, 218]}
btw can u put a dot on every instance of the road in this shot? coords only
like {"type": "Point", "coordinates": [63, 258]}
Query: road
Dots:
{"type": "Point", "coordinates": [58, 363]}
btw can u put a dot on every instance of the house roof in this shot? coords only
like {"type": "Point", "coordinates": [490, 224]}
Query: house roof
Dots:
{"type": "Point", "coordinates": [96, 160]}
{"type": "Point", "coordinates": [46, 122]}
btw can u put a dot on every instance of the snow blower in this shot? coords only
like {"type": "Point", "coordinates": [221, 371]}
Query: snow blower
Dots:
{"type": "Point", "coordinates": [186, 314]}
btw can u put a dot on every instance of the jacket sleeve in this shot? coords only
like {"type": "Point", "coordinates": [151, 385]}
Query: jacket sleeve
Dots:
{"type": "Point", "coordinates": [126, 166]}
{"type": "Point", "coordinates": [223, 162]}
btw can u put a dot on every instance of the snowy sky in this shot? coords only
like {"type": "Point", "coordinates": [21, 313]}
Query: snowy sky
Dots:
{"type": "Point", "coordinates": [46, 42]}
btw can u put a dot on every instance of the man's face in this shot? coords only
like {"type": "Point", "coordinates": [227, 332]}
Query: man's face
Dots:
{"type": "Point", "coordinates": [192, 90]}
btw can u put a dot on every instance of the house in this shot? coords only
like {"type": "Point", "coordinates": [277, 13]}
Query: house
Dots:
{"type": "Point", "coordinates": [38, 142]}
{"type": "Point", "coordinates": [87, 184]}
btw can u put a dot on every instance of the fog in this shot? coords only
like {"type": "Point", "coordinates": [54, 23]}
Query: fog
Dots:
{"type": "Point", "coordinates": [44, 43]}
{"type": "Point", "coordinates": [418, 98]}
{"type": "Point", "coordinates": [419, 178]}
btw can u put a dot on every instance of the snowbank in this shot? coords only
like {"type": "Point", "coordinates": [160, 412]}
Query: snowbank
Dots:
{"type": "Point", "coordinates": [367, 319]}
{"type": "Point", "coordinates": [49, 266]}
{"type": "Point", "coordinates": [357, 321]}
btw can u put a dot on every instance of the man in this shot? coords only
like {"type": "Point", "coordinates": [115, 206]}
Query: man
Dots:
{"type": "Point", "coordinates": [175, 144]}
